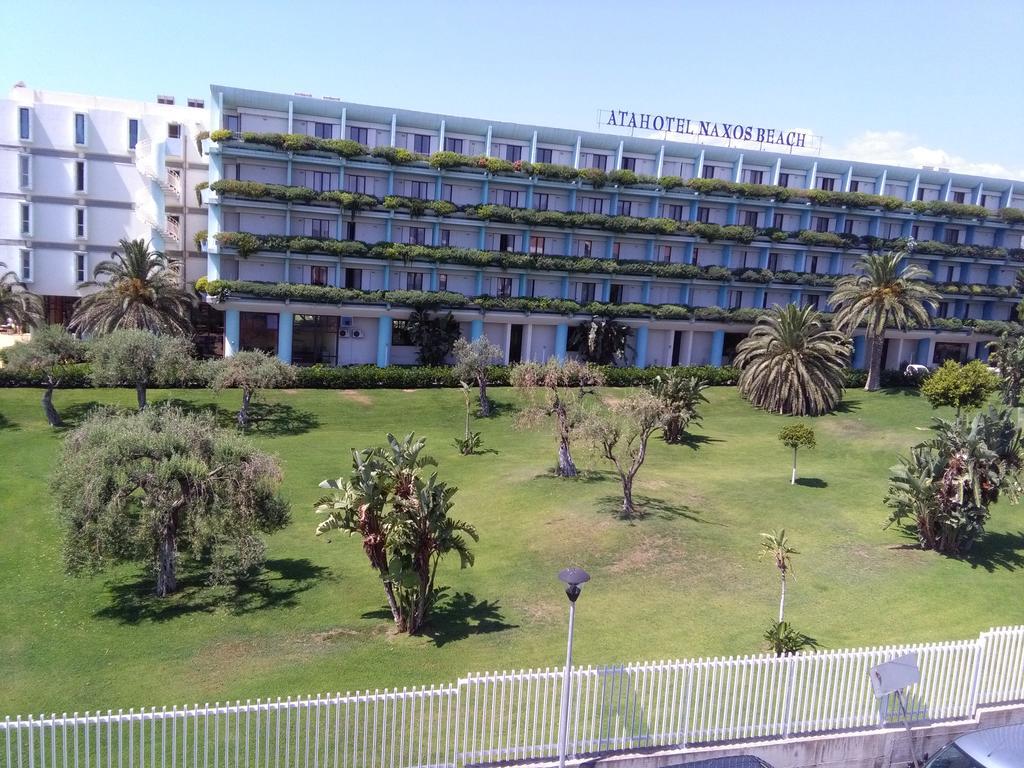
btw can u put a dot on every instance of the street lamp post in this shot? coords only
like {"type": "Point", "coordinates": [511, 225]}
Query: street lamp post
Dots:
{"type": "Point", "coordinates": [574, 579]}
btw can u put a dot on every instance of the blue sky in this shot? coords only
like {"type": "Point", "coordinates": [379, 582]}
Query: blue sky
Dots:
{"type": "Point", "coordinates": [911, 81]}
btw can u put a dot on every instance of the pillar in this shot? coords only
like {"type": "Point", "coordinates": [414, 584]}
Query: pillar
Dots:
{"type": "Point", "coordinates": [231, 332]}
{"type": "Point", "coordinates": [476, 329]}
{"type": "Point", "coordinates": [717, 348]}
{"type": "Point", "coordinates": [285, 321]}
{"type": "Point", "coordinates": [561, 341]}
{"type": "Point", "coordinates": [383, 341]}
{"type": "Point", "coordinates": [859, 352]}
{"type": "Point", "coordinates": [923, 354]}
{"type": "Point", "coordinates": [687, 357]}
{"type": "Point", "coordinates": [640, 361]}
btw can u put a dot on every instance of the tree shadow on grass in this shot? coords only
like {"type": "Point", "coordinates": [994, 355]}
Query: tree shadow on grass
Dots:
{"type": "Point", "coordinates": [998, 551]}
{"type": "Point", "coordinates": [583, 476]}
{"type": "Point", "coordinates": [498, 408]}
{"type": "Point", "coordinates": [270, 419]}
{"type": "Point", "coordinates": [5, 423]}
{"type": "Point", "coordinates": [694, 442]}
{"type": "Point", "coordinates": [811, 482]}
{"type": "Point", "coordinates": [74, 414]}
{"type": "Point", "coordinates": [648, 506]}
{"type": "Point", "coordinates": [907, 391]}
{"type": "Point", "coordinates": [277, 586]}
{"type": "Point", "coordinates": [847, 406]}
{"type": "Point", "coordinates": [456, 617]}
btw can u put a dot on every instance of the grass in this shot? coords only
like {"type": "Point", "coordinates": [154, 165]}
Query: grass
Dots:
{"type": "Point", "coordinates": [683, 581]}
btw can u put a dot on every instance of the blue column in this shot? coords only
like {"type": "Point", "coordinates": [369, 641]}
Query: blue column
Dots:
{"type": "Point", "coordinates": [387, 277]}
{"type": "Point", "coordinates": [908, 228]}
{"type": "Point", "coordinates": [388, 222]}
{"type": "Point", "coordinates": [717, 348]}
{"type": "Point", "coordinates": [939, 232]}
{"type": "Point", "coordinates": [383, 341]}
{"type": "Point", "coordinates": [565, 287]}
{"type": "Point", "coordinates": [921, 353]}
{"type": "Point", "coordinates": [522, 284]}
{"type": "Point", "coordinates": [983, 351]}
{"type": "Point", "coordinates": [805, 219]}
{"type": "Point", "coordinates": [482, 239]}
{"type": "Point", "coordinates": [479, 282]}
{"type": "Point", "coordinates": [965, 272]}
{"type": "Point", "coordinates": [231, 332]}
{"type": "Point", "coordinates": [993, 274]}
{"type": "Point", "coordinates": [758, 298]}
{"type": "Point", "coordinates": [284, 337]}
{"type": "Point", "coordinates": [730, 216]}
{"type": "Point", "coordinates": [859, 352]}
{"type": "Point", "coordinates": [986, 310]}
{"type": "Point", "coordinates": [641, 347]}
{"type": "Point", "coordinates": [476, 329]}
{"type": "Point", "coordinates": [801, 262]}
{"type": "Point", "coordinates": [485, 191]}
{"type": "Point", "coordinates": [684, 294]}
{"type": "Point", "coordinates": [688, 254]}
{"type": "Point", "coordinates": [561, 341]}
{"type": "Point", "coordinates": [433, 278]}
{"type": "Point", "coordinates": [212, 266]}
{"type": "Point", "coordinates": [795, 295]}
{"type": "Point", "coordinates": [435, 233]}
{"type": "Point", "coordinates": [694, 205]}
{"type": "Point", "coordinates": [654, 212]}
{"type": "Point", "coordinates": [645, 292]}
{"type": "Point", "coordinates": [727, 256]}
{"type": "Point", "coordinates": [391, 183]}
{"type": "Point", "coordinates": [568, 244]}
{"type": "Point", "coordinates": [723, 296]}
{"type": "Point", "coordinates": [762, 259]}
{"type": "Point", "coordinates": [606, 289]}
{"type": "Point", "coordinates": [835, 264]}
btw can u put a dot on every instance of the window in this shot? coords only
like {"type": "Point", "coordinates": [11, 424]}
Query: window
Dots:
{"type": "Point", "coordinates": [80, 267]}
{"type": "Point", "coordinates": [614, 294]}
{"type": "Point", "coordinates": [323, 131]}
{"type": "Point", "coordinates": [783, 179]}
{"type": "Point", "coordinates": [543, 155]}
{"type": "Point", "coordinates": [813, 300]}
{"type": "Point", "coordinates": [585, 248]}
{"type": "Point", "coordinates": [513, 153]}
{"type": "Point", "coordinates": [414, 281]}
{"type": "Point", "coordinates": [319, 181]}
{"type": "Point", "coordinates": [320, 227]}
{"type": "Point", "coordinates": [735, 299]}
{"type": "Point", "coordinates": [133, 132]}
{"type": "Point", "coordinates": [506, 243]}
{"type": "Point", "coordinates": [952, 236]}
{"type": "Point", "coordinates": [442, 281]}
{"type": "Point", "coordinates": [855, 186]}
{"type": "Point", "coordinates": [174, 227]}
{"type": "Point", "coordinates": [591, 205]}
{"type": "Point", "coordinates": [418, 235]}
{"type": "Point", "coordinates": [421, 143]}
{"type": "Point", "coordinates": [79, 129]}
{"type": "Point", "coordinates": [598, 161]}
{"type": "Point", "coordinates": [448, 193]}
{"type": "Point", "coordinates": [990, 201]}
{"type": "Point", "coordinates": [773, 262]}
{"type": "Point", "coordinates": [318, 275]}
{"type": "Point", "coordinates": [920, 193]}
{"type": "Point", "coordinates": [446, 237]}
{"type": "Point", "coordinates": [754, 177]}
{"type": "Point", "coordinates": [360, 135]}
{"type": "Point", "coordinates": [453, 145]}
{"type": "Point", "coordinates": [707, 172]}
{"type": "Point", "coordinates": [26, 218]}
{"type": "Point", "coordinates": [350, 230]}
{"type": "Point", "coordinates": [812, 265]}
{"type": "Point", "coordinates": [749, 218]}
{"type": "Point", "coordinates": [174, 130]}
{"type": "Point", "coordinates": [24, 171]}
{"type": "Point", "coordinates": [24, 124]}
{"type": "Point", "coordinates": [26, 265]}
{"type": "Point", "coordinates": [79, 223]}
{"type": "Point", "coordinates": [949, 274]}
{"type": "Point", "coordinates": [629, 164]}
{"type": "Point", "coordinates": [80, 176]}
{"type": "Point", "coordinates": [675, 212]}
{"type": "Point", "coordinates": [778, 220]}
{"type": "Point", "coordinates": [915, 232]}
{"type": "Point", "coordinates": [666, 254]}
{"type": "Point", "coordinates": [507, 197]}
{"type": "Point", "coordinates": [503, 286]}
{"type": "Point", "coordinates": [354, 183]}
{"type": "Point", "coordinates": [821, 223]}
{"type": "Point", "coordinates": [420, 189]}
{"type": "Point", "coordinates": [536, 244]}
{"type": "Point", "coordinates": [616, 247]}
{"type": "Point", "coordinates": [959, 197]}
{"type": "Point", "coordinates": [696, 257]}
{"type": "Point", "coordinates": [196, 103]}
{"type": "Point", "coordinates": [233, 123]}
{"type": "Point", "coordinates": [827, 183]}
{"type": "Point", "coordinates": [164, 99]}
{"type": "Point", "coordinates": [585, 292]}
{"type": "Point", "coordinates": [353, 278]}
{"type": "Point", "coordinates": [400, 336]}
{"type": "Point", "coordinates": [625, 207]}
{"type": "Point", "coordinates": [943, 309]}
{"type": "Point", "coordinates": [540, 201]}
{"type": "Point", "coordinates": [703, 214]}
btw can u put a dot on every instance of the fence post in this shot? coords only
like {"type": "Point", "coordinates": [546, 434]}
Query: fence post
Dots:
{"type": "Point", "coordinates": [458, 720]}
{"type": "Point", "coordinates": [788, 696]}
{"type": "Point", "coordinates": [980, 657]}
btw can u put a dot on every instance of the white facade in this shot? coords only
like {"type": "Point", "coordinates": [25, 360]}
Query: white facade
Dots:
{"type": "Point", "coordinates": [82, 172]}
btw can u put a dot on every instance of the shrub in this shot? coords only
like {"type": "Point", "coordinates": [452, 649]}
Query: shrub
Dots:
{"type": "Point", "coordinates": [395, 155]}
{"type": "Point", "coordinates": [221, 135]}
{"type": "Point", "coordinates": [1012, 215]}
{"type": "Point", "coordinates": [942, 208]}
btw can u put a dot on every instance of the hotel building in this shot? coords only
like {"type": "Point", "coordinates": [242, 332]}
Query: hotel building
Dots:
{"type": "Point", "coordinates": [82, 172]}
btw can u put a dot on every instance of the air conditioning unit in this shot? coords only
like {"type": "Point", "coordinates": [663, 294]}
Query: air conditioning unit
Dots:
{"type": "Point", "coordinates": [357, 334]}
{"type": "Point", "coordinates": [343, 333]}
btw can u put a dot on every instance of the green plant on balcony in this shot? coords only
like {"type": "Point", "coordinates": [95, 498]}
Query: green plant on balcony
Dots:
{"type": "Point", "coordinates": [594, 176]}
{"type": "Point", "coordinates": [445, 160]}
{"type": "Point", "coordinates": [199, 191]}
{"type": "Point", "coordinates": [829, 239]}
{"type": "Point", "coordinates": [199, 239]}
{"type": "Point", "coordinates": [943, 208]}
{"type": "Point", "coordinates": [221, 134]}
{"type": "Point", "coordinates": [1012, 215]}
{"type": "Point", "coordinates": [442, 207]}
{"type": "Point", "coordinates": [395, 155]}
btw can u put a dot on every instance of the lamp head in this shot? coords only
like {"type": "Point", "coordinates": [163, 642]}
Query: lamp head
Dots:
{"type": "Point", "coordinates": [574, 579]}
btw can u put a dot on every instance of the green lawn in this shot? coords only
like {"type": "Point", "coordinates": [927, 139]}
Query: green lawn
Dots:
{"type": "Point", "coordinates": [684, 581]}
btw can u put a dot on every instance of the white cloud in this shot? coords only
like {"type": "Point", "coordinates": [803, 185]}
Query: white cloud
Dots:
{"type": "Point", "coordinates": [899, 148]}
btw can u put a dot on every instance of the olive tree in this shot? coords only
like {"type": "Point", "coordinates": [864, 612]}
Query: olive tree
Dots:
{"type": "Point", "coordinates": [249, 371]}
{"type": "Point", "coordinates": [472, 359]}
{"type": "Point", "coordinates": [160, 485]}
{"type": "Point", "coordinates": [138, 358]}
{"type": "Point", "coordinates": [556, 390]}
{"type": "Point", "coordinates": [49, 352]}
{"type": "Point", "coordinates": [795, 437]}
{"type": "Point", "coordinates": [1007, 355]}
{"type": "Point", "coordinates": [621, 432]}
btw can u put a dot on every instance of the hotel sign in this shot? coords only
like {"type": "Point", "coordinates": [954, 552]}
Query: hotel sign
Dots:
{"type": "Point", "coordinates": [621, 118]}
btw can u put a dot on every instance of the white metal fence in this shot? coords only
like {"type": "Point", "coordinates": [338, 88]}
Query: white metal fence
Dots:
{"type": "Point", "coordinates": [508, 716]}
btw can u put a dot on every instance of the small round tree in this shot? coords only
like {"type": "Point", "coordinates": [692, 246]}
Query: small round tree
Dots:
{"type": "Point", "coordinates": [472, 359]}
{"type": "Point", "coordinates": [158, 485]}
{"type": "Point", "coordinates": [960, 386]}
{"type": "Point", "coordinates": [136, 358]}
{"type": "Point", "coordinates": [249, 371]}
{"type": "Point", "coordinates": [49, 352]}
{"type": "Point", "coordinates": [796, 436]}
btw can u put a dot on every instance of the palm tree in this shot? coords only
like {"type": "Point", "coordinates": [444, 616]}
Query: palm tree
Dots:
{"type": "Point", "coordinates": [776, 546]}
{"type": "Point", "coordinates": [681, 396]}
{"type": "Point", "coordinates": [791, 363]}
{"type": "Point", "coordinates": [886, 293]}
{"type": "Point", "coordinates": [141, 291]}
{"type": "Point", "coordinates": [16, 303]}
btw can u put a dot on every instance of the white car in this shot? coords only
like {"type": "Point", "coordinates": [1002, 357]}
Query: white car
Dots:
{"type": "Point", "coordinates": [989, 748]}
